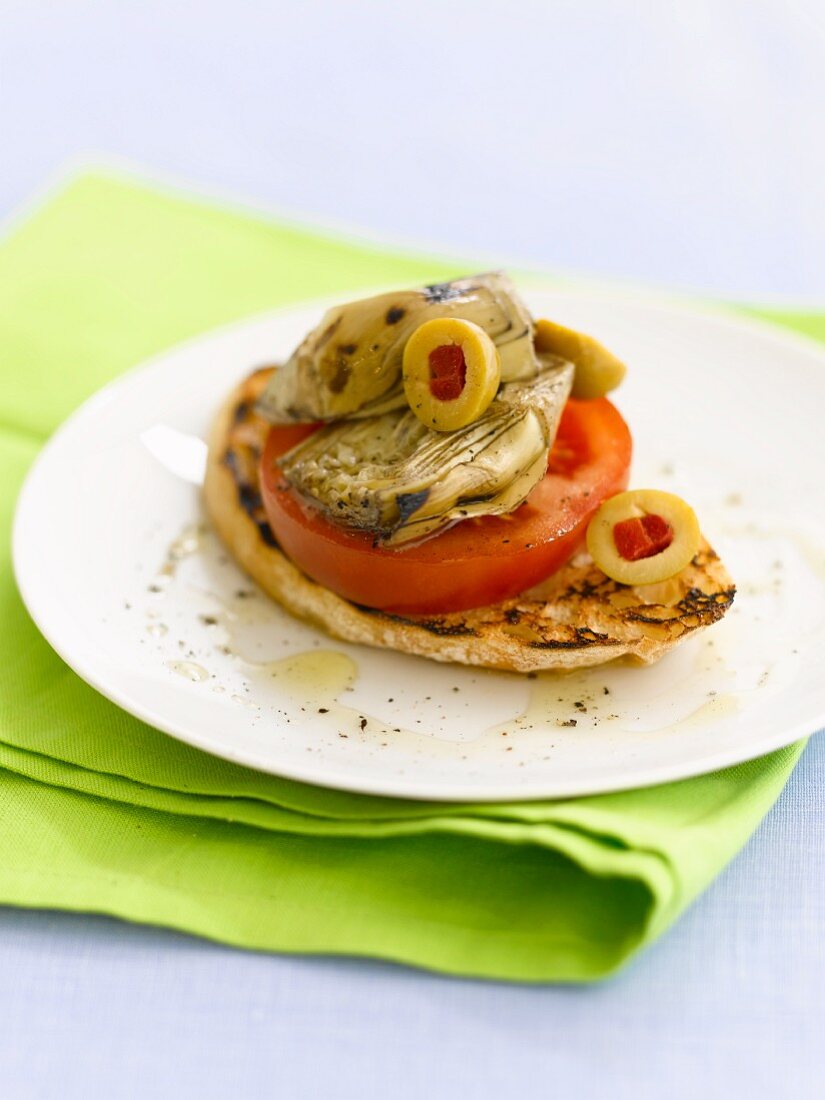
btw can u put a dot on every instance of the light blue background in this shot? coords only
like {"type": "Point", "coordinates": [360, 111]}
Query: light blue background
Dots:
{"type": "Point", "coordinates": [676, 144]}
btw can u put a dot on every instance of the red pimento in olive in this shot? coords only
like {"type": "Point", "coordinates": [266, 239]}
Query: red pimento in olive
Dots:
{"type": "Point", "coordinates": [448, 372]}
{"type": "Point", "coordinates": [642, 536]}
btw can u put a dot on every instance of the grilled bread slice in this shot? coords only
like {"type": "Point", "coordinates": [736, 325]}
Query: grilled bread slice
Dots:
{"type": "Point", "coordinates": [578, 617]}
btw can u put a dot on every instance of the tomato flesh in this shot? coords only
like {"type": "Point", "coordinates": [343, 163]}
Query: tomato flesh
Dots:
{"type": "Point", "coordinates": [642, 536]}
{"type": "Point", "coordinates": [448, 372]}
{"type": "Point", "coordinates": [477, 561]}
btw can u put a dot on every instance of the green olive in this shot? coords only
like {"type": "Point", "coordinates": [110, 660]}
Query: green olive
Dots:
{"type": "Point", "coordinates": [598, 371]}
{"type": "Point", "coordinates": [637, 506]}
{"type": "Point", "coordinates": [451, 372]}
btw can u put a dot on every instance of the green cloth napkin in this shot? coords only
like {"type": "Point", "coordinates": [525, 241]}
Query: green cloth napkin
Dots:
{"type": "Point", "coordinates": [99, 812]}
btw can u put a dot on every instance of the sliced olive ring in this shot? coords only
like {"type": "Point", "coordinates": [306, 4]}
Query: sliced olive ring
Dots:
{"type": "Point", "coordinates": [643, 536]}
{"type": "Point", "coordinates": [451, 372]}
{"type": "Point", "coordinates": [598, 371]}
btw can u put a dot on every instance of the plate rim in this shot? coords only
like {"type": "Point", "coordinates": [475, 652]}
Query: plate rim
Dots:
{"type": "Point", "coordinates": [389, 786]}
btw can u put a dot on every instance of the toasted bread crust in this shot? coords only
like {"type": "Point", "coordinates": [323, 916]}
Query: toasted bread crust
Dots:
{"type": "Point", "coordinates": [578, 617]}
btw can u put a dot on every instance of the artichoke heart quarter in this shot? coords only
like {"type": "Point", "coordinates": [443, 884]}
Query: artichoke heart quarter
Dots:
{"type": "Point", "coordinates": [350, 365]}
{"type": "Point", "coordinates": [395, 477]}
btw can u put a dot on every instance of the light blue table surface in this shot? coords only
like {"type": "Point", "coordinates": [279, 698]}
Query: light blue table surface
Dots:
{"type": "Point", "coordinates": [680, 145]}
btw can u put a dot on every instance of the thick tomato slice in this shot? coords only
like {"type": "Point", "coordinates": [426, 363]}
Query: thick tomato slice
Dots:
{"type": "Point", "coordinates": [477, 561]}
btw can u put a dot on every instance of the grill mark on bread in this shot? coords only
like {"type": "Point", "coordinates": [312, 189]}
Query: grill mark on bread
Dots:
{"type": "Point", "coordinates": [438, 626]}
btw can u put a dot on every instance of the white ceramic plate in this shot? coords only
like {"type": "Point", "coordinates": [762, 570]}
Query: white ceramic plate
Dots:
{"type": "Point", "coordinates": [139, 598]}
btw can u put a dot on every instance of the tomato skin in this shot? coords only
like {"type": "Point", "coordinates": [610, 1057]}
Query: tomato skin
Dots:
{"type": "Point", "coordinates": [477, 561]}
